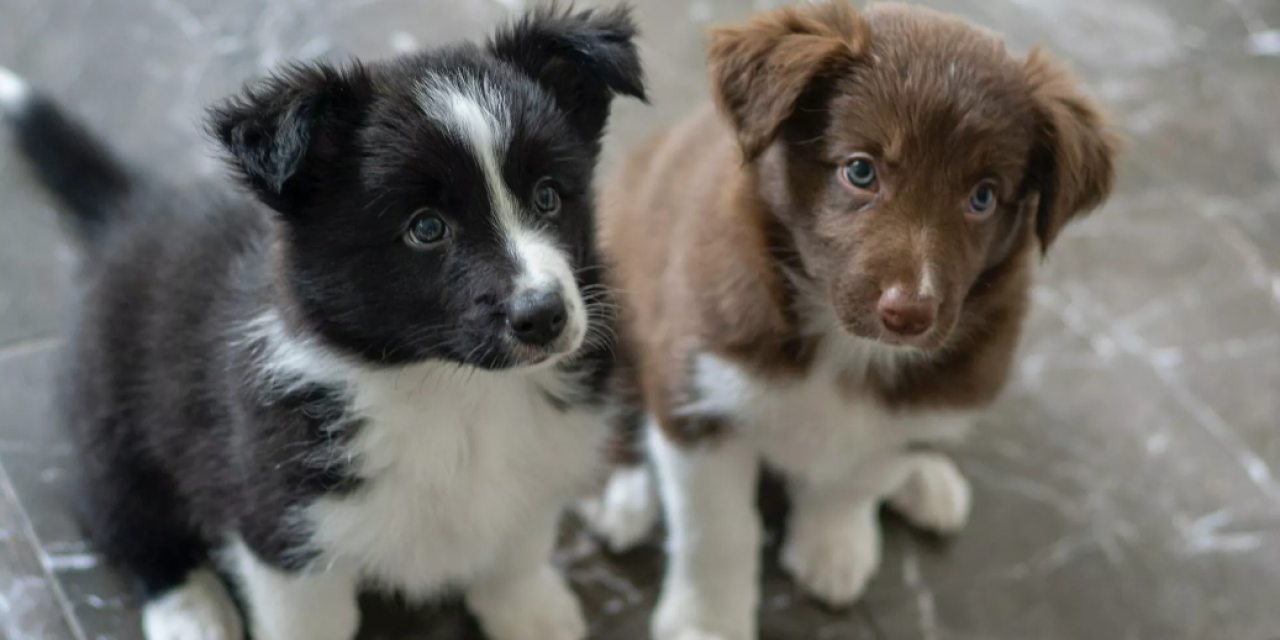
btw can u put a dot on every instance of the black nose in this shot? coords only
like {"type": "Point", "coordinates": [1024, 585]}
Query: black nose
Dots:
{"type": "Point", "coordinates": [536, 317]}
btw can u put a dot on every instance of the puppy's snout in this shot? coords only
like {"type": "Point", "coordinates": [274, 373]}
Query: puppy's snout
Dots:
{"type": "Point", "coordinates": [537, 317]}
{"type": "Point", "coordinates": [906, 313]}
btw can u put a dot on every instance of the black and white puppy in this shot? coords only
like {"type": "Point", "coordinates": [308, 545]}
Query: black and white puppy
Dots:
{"type": "Point", "coordinates": [389, 375]}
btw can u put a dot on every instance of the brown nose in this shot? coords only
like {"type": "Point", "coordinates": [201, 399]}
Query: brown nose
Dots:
{"type": "Point", "coordinates": [906, 314]}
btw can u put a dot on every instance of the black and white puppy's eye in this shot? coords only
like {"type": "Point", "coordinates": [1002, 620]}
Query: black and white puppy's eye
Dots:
{"type": "Point", "coordinates": [426, 231]}
{"type": "Point", "coordinates": [546, 198]}
{"type": "Point", "coordinates": [859, 172]}
{"type": "Point", "coordinates": [982, 200]}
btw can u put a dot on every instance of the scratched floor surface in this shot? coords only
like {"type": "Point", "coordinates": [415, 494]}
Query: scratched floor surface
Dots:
{"type": "Point", "coordinates": [1125, 482]}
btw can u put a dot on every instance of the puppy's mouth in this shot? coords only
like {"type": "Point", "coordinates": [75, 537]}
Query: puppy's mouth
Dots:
{"type": "Point", "coordinates": [869, 328]}
{"type": "Point", "coordinates": [524, 356]}
{"type": "Point", "coordinates": [928, 342]}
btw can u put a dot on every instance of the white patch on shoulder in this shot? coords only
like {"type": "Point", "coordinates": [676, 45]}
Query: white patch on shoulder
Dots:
{"type": "Point", "coordinates": [199, 609]}
{"type": "Point", "coordinates": [14, 91]}
{"type": "Point", "coordinates": [455, 462]}
{"type": "Point", "coordinates": [287, 362]}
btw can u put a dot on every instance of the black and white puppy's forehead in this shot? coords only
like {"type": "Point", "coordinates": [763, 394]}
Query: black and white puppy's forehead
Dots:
{"type": "Point", "coordinates": [448, 124]}
{"type": "Point", "coordinates": [472, 138]}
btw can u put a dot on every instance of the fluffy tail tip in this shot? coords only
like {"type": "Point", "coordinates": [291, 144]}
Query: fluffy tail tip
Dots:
{"type": "Point", "coordinates": [15, 93]}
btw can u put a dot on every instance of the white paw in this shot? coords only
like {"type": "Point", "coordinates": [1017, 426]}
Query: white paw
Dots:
{"type": "Point", "coordinates": [684, 614]}
{"type": "Point", "coordinates": [539, 608]}
{"type": "Point", "coordinates": [834, 557]}
{"type": "Point", "coordinates": [199, 609]}
{"type": "Point", "coordinates": [626, 512]}
{"type": "Point", "coordinates": [936, 496]}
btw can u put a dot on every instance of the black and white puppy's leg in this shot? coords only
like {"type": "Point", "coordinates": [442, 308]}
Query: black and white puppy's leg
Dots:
{"type": "Point", "coordinates": [139, 528]}
{"type": "Point", "coordinates": [128, 506]}
{"type": "Point", "coordinates": [627, 510]}
{"type": "Point", "coordinates": [523, 597]}
{"type": "Point", "coordinates": [834, 541]}
{"type": "Point", "coordinates": [198, 609]}
{"type": "Point", "coordinates": [290, 605]}
{"type": "Point", "coordinates": [135, 518]}
{"type": "Point", "coordinates": [714, 533]}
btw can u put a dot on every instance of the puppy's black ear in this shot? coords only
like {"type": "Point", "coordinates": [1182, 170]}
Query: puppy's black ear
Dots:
{"type": "Point", "coordinates": [283, 131]}
{"type": "Point", "coordinates": [583, 58]}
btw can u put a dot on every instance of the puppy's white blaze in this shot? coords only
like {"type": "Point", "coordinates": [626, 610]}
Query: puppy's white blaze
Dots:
{"type": "Point", "coordinates": [14, 91]}
{"type": "Point", "coordinates": [541, 262]}
{"type": "Point", "coordinates": [928, 281]}
{"type": "Point", "coordinates": [542, 265]}
{"type": "Point", "coordinates": [472, 112]}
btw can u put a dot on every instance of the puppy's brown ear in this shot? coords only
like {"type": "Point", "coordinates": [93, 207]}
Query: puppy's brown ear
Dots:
{"type": "Point", "coordinates": [759, 69]}
{"type": "Point", "coordinates": [1073, 161]}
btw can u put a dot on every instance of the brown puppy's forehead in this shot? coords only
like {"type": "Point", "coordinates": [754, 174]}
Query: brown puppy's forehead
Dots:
{"type": "Point", "coordinates": [932, 90]}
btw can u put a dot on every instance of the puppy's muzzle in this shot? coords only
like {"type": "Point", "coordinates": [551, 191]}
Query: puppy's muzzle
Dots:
{"type": "Point", "coordinates": [905, 313]}
{"type": "Point", "coordinates": [537, 317]}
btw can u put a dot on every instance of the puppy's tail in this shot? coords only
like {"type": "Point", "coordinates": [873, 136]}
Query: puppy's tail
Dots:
{"type": "Point", "coordinates": [71, 162]}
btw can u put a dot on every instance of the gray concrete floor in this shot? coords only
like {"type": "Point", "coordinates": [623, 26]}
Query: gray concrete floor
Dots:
{"type": "Point", "coordinates": [1125, 482]}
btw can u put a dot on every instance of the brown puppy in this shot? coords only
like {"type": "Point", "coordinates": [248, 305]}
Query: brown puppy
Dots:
{"type": "Point", "coordinates": [826, 272]}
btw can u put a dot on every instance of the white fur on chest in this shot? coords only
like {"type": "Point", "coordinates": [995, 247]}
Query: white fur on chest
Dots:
{"type": "Point", "coordinates": [815, 426]}
{"type": "Point", "coordinates": [455, 463]}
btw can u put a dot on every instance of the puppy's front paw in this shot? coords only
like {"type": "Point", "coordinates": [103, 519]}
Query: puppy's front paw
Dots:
{"type": "Point", "coordinates": [541, 607]}
{"type": "Point", "coordinates": [834, 557]}
{"type": "Point", "coordinates": [685, 614]}
{"type": "Point", "coordinates": [936, 496]}
{"type": "Point", "coordinates": [199, 609]}
{"type": "Point", "coordinates": [627, 510]}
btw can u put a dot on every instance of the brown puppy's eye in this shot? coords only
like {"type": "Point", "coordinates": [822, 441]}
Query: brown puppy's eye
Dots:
{"type": "Point", "coordinates": [982, 200]}
{"type": "Point", "coordinates": [859, 172]}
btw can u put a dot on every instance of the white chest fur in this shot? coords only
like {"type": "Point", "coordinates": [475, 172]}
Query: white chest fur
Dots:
{"type": "Point", "coordinates": [454, 463]}
{"type": "Point", "coordinates": [815, 425]}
